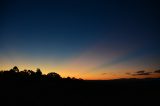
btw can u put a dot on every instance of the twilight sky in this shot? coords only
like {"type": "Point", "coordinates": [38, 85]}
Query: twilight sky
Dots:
{"type": "Point", "coordinates": [91, 39]}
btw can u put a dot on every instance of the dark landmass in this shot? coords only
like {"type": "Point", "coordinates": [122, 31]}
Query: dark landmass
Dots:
{"type": "Point", "coordinates": [53, 90]}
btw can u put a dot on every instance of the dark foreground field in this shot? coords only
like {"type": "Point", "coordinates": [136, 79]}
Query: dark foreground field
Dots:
{"type": "Point", "coordinates": [81, 93]}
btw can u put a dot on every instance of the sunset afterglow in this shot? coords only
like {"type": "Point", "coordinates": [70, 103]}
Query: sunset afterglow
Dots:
{"type": "Point", "coordinates": [90, 40]}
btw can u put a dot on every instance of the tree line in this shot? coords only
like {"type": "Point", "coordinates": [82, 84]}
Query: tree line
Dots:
{"type": "Point", "coordinates": [30, 75]}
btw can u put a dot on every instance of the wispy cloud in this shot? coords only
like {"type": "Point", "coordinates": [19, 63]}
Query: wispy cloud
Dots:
{"type": "Point", "coordinates": [144, 73]}
{"type": "Point", "coordinates": [104, 73]}
{"type": "Point", "coordinates": [140, 73]}
{"type": "Point", "coordinates": [157, 71]}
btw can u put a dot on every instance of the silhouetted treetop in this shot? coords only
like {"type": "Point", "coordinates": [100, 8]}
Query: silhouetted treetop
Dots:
{"type": "Point", "coordinates": [14, 69]}
{"type": "Point", "coordinates": [53, 75]}
{"type": "Point", "coordinates": [38, 72]}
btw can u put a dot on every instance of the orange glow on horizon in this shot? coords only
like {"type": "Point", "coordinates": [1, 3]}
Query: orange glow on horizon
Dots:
{"type": "Point", "coordinates": [86, 65]}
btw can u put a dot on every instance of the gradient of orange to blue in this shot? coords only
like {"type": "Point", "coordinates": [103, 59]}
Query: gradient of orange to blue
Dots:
{"type": "Point", "coordinates": [89, 39]}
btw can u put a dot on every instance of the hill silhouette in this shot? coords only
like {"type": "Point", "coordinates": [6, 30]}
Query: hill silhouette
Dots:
{"type": "Point", "coordinates": [25, 88]}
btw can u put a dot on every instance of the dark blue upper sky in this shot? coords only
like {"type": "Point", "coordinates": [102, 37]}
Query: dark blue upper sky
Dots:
{"type": "Point", "coordinates": [66, 28]}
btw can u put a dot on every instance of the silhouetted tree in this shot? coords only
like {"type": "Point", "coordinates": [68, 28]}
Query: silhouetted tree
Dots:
{"type": "Point", "coordinates": [24, 74]}
{"type": "Point", "coordinates": [31, 73]}
{"type": "Point", "coordinates": [54, 75]}
{"type": "Point", "coordinates": [68, 78]}
{"type": "Point", "coordinates": [15, 69]}
{"type": "Point", "coordinates": [38, 72]}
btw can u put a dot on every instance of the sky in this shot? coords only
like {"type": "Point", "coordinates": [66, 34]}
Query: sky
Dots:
{"type": "Point", "coordinates": [89, 39]}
